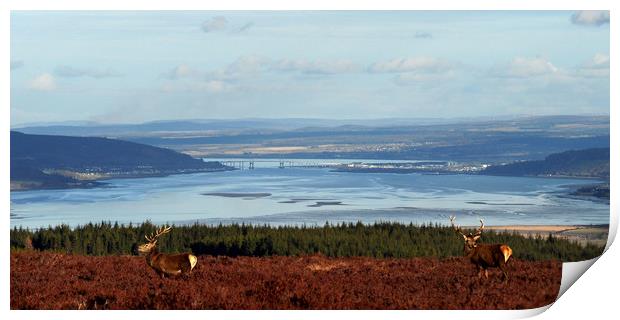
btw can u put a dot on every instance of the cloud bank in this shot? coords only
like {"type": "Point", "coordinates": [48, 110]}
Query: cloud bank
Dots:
{"type": "Point", "coordinates": [414, 64]}
{"type": "Point", "coordinates": [522, 67]}
{"type": "Point", "coordinates": [590, 18]}
{"type": "Point", "coordinates": [597, 67]}
{"type": "Point", "coordinates": [181, 71]}
{"type": "Point", "coordinates": [43, 82]}
{"type": "Point", "coordinates": [214, 24]}
{"type": "Point", "coordinates": [73, 72]}
{"type": "Point", "coordinates": [316, 67]}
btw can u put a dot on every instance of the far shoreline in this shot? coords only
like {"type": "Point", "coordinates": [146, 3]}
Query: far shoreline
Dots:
{"type": "Point", "coordinates": [596, 234]}
{"type": "Point", "coordinates": [99, 182]}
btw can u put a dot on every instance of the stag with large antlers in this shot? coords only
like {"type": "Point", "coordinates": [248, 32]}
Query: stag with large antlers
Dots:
{"type": "Point", "coordinates": [166, 264]}
{"type": "Point", "coordinates": [484, 255]}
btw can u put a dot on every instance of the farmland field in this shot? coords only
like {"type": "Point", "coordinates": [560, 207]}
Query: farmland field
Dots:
{"type": "Point", "coordinates": [43, 280]}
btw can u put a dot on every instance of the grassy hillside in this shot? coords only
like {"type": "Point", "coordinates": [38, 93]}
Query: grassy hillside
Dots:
{"type": "Point", "coordinates": [45, 151]}
{"type": "Point", "coordinates": [580, 163]}
{"type": "Point", "coordinates": [47, 161]}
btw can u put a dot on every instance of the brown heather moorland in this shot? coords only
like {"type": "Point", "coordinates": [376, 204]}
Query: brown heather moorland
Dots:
{"type": "Point", "coordinates": [41, 280]}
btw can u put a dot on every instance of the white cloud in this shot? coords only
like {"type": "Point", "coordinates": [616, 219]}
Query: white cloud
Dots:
{"type": "Point", "coordinates": [214, 24]}
{"type": "Point", "coordinates": [212, 86]}
{"type": "Point", "coordinates": [600, 60]}
{"type": "Point", "coordinates": [73, 72]}
{"type": "Point", "coordinates": [427, 79]}
{"type": "Point", "coordinates": [414, 64]}
{"type": "Point", "coordinates": [253, 65]}
{"type": "Point", "coordinates": [43, 82]}
{"type": "Point", "coordinates": [243, 66]}
{"type": "Point", "coordinates": [315, 67]}
{"type": "Point", "coordinates": [248, 65]}
{"type": "Point", "coordinates": [590, 18]}
{"type": "Point", "coordinates": [597, 67]}
{"type": "Point", "coordinates": [168, 88]}
{"type": "Point", "coordinates": [521, 67]}
{"type": "Point", "coordinates": [416, 71]}
{"type": "Point", "coordinates": [245, 71]}
{"type": "Point", "coordinates": [181, 71]}
{"type": "Point", "coordinates": [221, 24]}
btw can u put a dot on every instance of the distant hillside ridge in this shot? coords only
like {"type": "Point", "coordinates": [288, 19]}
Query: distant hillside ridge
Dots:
{"type": "Point", "coordinates": [592, 162]}
{"type": "Point", "coordinates": [48, 161]}
{"type": "Point", "coordinates": [482, 139]}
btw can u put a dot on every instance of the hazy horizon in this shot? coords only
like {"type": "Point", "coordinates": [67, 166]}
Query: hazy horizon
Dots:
{"type": "Point", "coordinates": [129, 67]}
{"type": "Point", "coordinates": [440, 119]}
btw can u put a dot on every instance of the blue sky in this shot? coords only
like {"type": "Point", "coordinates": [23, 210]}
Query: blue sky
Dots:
{"type": "Point", "coordinates": [127, 67]}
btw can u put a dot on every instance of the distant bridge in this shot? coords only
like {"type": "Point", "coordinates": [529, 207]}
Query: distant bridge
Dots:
{"type": "Point", "coordinates": [282, 164]}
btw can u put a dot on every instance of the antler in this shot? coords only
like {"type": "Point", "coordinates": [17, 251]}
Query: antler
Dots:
{"type": "Point", "coordinates": [159, 232]}
{"type": "Point", "coordinates": [456, 228]}
{"type": "Point", "coordinates": [479, 232]}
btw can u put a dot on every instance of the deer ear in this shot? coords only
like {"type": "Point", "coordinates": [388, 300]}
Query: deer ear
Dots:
{"type": "Point", "coordinates": [464, 237]}
{"type": "Point", "coordinates": [476, 238]}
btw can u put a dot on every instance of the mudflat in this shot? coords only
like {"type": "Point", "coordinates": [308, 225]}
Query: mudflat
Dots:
{"type": "Point", "coordinates": [238, 194]}
{"type": "Point", "coordinates": [583, 234]}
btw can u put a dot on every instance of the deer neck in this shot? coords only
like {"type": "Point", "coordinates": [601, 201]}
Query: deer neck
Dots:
{"type": "Point", "coordinates": [151, 256]}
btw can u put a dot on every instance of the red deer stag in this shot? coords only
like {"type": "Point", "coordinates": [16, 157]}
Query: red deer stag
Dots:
{"type": "Point", "coordinates": [166, 264]}
{"type": "Point", "coordinates": [484, 255]}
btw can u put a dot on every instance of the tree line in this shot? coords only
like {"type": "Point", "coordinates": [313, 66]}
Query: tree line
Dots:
{"type": "Point", "coordinates": [380, 240]}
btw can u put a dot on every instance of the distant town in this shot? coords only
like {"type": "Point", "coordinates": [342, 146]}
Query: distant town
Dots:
{"type": "Point", "coordinates": [411, 167]}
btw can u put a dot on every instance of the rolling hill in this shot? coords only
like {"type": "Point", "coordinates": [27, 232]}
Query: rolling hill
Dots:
{"type": "Point", "coordinates": [592, 162]}
{"type": "Point", "coordinates": [48, 161]}
{"type": "Point", "coordinates": [489, 140]}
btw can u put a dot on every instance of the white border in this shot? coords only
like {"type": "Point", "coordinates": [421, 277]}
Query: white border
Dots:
{"type": "Point", "coordinates": [592, 296]}
{"type": "Point", "coordinates": [309, 5]}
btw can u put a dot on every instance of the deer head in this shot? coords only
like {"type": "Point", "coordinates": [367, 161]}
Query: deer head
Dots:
{"type": "Point", "coordinates": [152, 240]}
{"type": "Point", "coordinates": [470, 239]}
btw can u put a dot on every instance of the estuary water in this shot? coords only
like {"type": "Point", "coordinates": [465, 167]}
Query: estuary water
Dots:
{"type": "Point", "coordinates": [311, 196]}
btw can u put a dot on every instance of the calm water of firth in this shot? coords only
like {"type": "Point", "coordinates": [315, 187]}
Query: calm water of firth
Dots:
{"type": "Point", "coordinates": [311, 196]}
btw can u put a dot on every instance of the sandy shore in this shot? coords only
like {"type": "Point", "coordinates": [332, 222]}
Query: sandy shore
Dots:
{"type": "Point", "coordinates": [591, 234]}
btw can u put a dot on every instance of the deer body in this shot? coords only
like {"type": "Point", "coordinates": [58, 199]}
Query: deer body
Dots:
{"type": "Point", "coordinates": [484, 256]}
{"type": "Point", "coordinates": [171, 264]}
{"type": "Point", "coordinates": [166, 264]}
{"type": "Point", "coordinates": [490, 255]}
